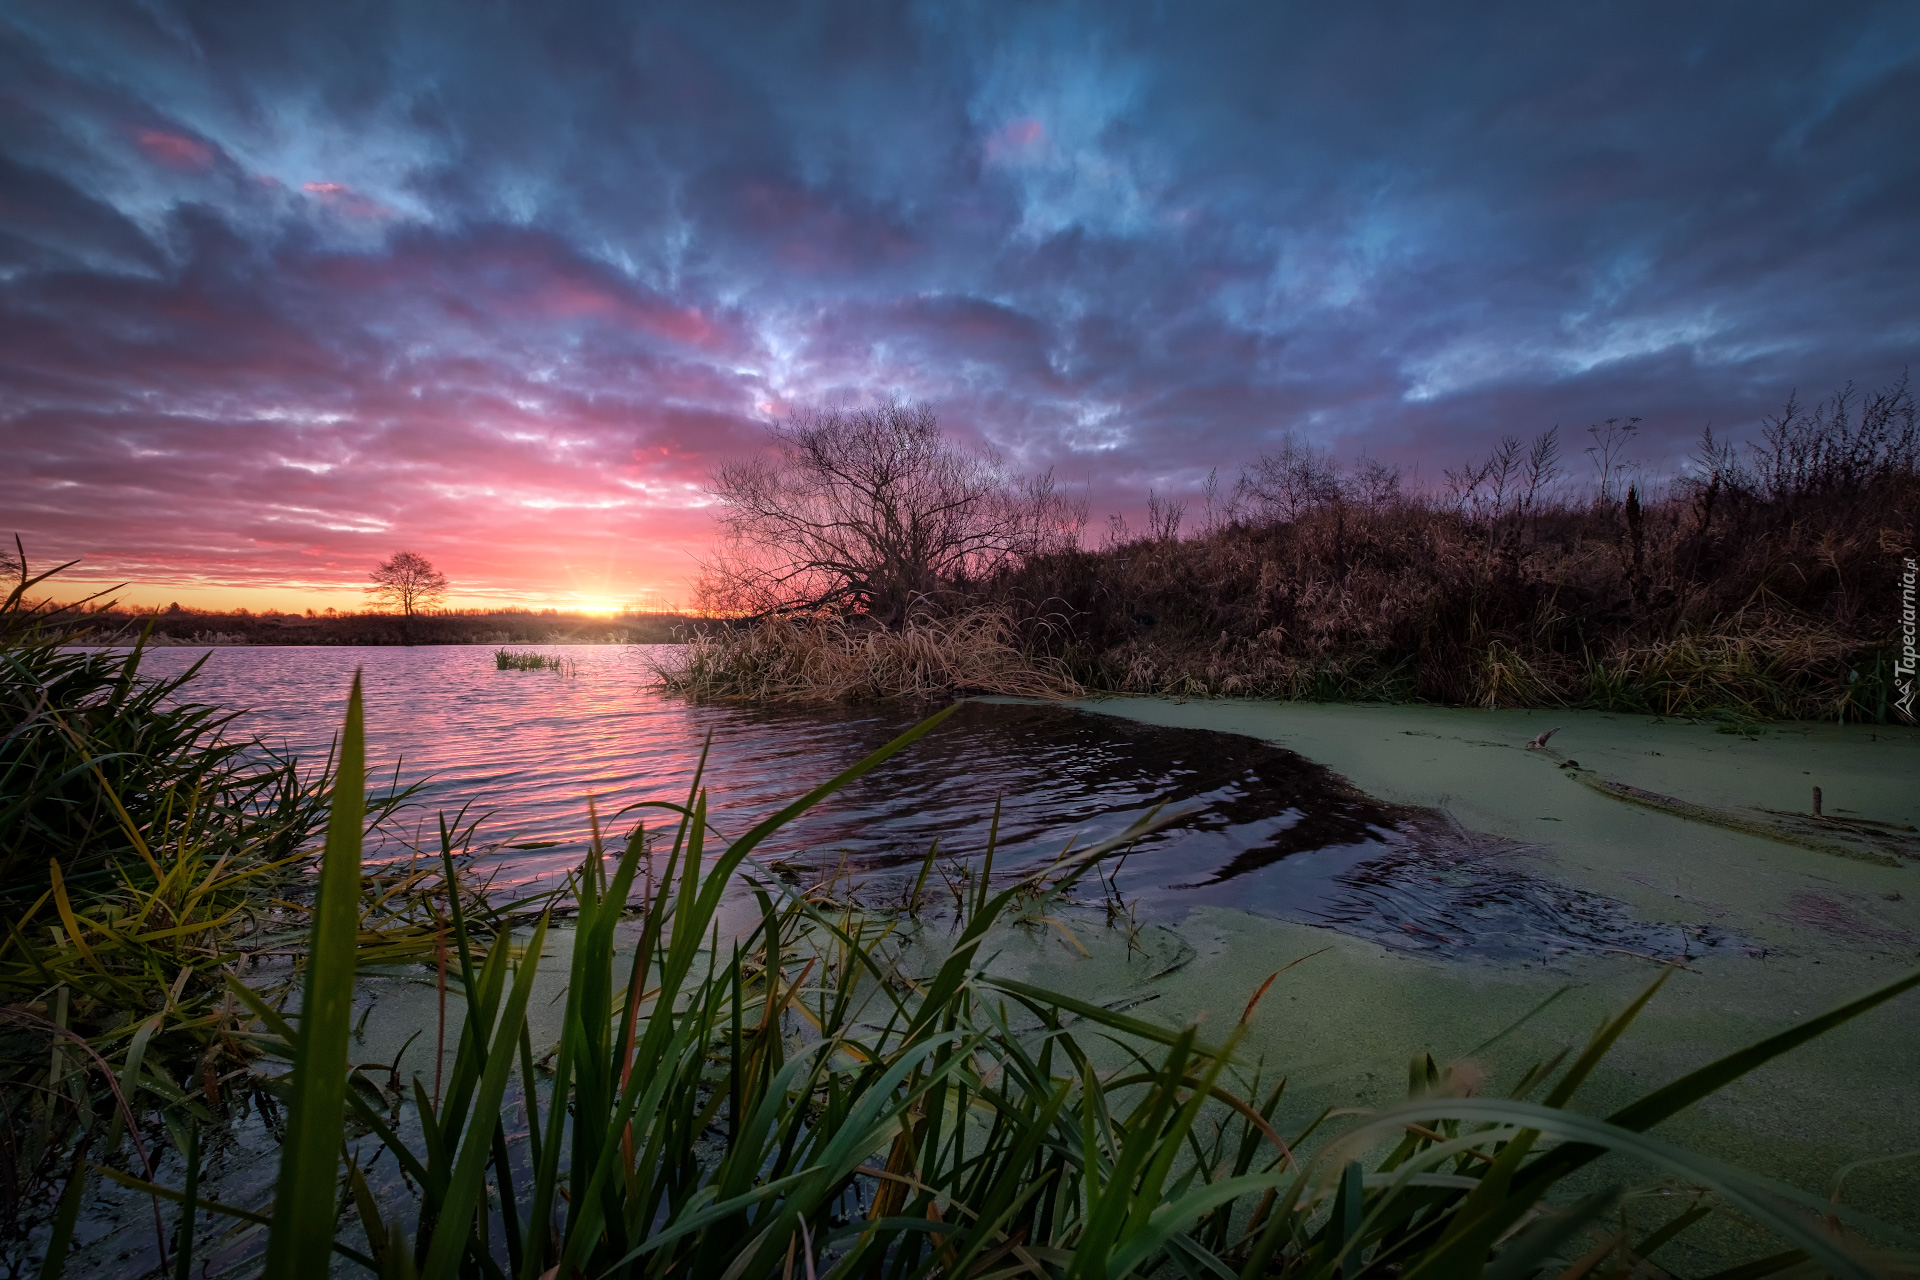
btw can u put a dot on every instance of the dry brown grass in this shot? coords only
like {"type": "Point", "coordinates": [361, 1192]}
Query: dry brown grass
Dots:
{"type": "Point", "coordinates": [1760, 585]}
{"type": "Point", "coordinates": [1759, 607]}
{"type": "Point", "coordinates": [826, 658]}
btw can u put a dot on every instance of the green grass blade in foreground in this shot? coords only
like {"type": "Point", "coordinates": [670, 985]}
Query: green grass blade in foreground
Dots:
{"type": "Point", "coordinates": [1690, 1088]}
{"type": "Point", "coordinates": [300, 1242]}
{"type": "Point", "coordinates": [1529, 1251]}
{"type": "Point", "coordinates": [1039, 998]}
{"type": "Point", "coordinates": [1603, 1040]}
{"type": "Point", "coordinates": [464, 1187]}
{"type": "Point", "coordinates": [1768, 1202]}
{"type": "Point", "coordinates": [739, 849]}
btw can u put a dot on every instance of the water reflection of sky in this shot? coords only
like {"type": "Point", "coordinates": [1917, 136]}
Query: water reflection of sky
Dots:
{"type": "Point", "coordinates": [1271, 831]}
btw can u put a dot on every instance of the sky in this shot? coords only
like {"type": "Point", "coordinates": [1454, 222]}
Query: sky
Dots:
{"type": "Point", "coordinates": [287, 287]}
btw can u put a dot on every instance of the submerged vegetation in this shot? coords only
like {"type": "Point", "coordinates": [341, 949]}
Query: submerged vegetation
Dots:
{"type": "Point", "coordinates": [1760, 584]}
{"type": "Point", "coordinates": [838, 1092]}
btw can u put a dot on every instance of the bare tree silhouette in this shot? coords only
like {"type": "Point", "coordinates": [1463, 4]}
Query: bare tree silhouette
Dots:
{"type": "Point", "coordinates": [408, 582]}
{"type": "Point", "coordinates": [872, 511]}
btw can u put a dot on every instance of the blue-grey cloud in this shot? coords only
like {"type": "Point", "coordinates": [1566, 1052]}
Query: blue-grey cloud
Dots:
{"type": "Point", "coordinates": [437, 271]}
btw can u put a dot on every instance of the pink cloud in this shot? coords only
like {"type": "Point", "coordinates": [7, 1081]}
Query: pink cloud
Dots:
{"type": "Point", "coordinates": [574, 299]}
{"type": "Point", "coordinates": [1015, 138]}
{"type": "Point", "coordinates": [175, 150]}
{"type": "Point", "coordinates": [502, 405]}
{"type": "Point", "coordinates": [343, 199]}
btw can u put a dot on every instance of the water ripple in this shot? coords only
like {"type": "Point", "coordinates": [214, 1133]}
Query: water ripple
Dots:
{"type": "Point", "coordinates": [1274, 832]}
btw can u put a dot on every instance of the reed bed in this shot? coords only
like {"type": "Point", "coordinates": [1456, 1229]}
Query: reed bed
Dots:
{"type": "Point", "coordinates": [816, 657]}
{"type": "Point", "coordinates": [532, 660]}
{"type": "Point", "coordinates": [829, 1095]}
{"type": "Point", "coordinates": [1758, 609]}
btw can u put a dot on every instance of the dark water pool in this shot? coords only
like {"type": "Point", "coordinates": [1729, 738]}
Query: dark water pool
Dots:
{"type": "Point", "coordinates": [1271, 831]}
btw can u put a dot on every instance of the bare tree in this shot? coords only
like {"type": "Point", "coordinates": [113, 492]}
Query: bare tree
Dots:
{"type": "Point", "coordinates": [1290, 481]}
{"type": "Point", "coordinates": [408, 582]}
{"type": "Point", "coordinates": [1374, 485]}
{"type": "Point", "coordinates": [872, 511]}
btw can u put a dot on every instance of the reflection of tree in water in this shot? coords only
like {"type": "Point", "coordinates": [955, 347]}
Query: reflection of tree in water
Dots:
{"type": "Point", "coordinates": [1401, 876]}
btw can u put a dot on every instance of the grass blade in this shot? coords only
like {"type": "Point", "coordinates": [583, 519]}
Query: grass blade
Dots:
{"type": "Point", "coordinates": [189, 1208]}
{"type": "Point", "coordinates": [55, 1262]}
{"type": "Point", "coordinates": [300, 1242]}
{"type": "Point", "coordinates": [465, 1185]}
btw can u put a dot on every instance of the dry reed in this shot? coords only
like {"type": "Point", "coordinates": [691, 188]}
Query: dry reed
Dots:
{"type": "Point", "coordinates": [823, 658]}
{"type": "Point", "coordinates": [1705, 601]}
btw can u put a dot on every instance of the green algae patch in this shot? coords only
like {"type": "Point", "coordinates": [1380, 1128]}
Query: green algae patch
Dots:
{"type": "Point", "coordinates": [1811, 927]}
{"type": "Point", "coordinates": [1474, 765]}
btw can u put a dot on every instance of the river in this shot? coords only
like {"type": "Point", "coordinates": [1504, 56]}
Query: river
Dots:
{"type": "Point", "coordinates": [1433, 885]}
{"type": "Point", "coordinates": [1269, 829]}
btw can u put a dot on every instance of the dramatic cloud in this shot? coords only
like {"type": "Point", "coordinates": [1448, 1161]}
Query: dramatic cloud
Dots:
{"type": "Point", "coordinates": [285, 288]}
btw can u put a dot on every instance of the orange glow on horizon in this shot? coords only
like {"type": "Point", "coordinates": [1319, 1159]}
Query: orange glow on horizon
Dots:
{"type": "Point", "coordinates": [297, 598]}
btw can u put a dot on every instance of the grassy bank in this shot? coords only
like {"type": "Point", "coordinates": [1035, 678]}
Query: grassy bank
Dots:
{"type": "Point", "coordinates": [144, 853]}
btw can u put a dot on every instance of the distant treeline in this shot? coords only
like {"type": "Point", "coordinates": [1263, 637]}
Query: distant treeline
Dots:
{"type": "Point", "coordinates": [177, 625]}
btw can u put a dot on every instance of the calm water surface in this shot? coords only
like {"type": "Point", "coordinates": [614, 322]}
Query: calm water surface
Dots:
{"type": "Point", "coordinates": [1273, 831]}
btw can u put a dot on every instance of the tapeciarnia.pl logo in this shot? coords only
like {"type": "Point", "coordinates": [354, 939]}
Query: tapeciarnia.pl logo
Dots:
{"type": "Point", "coordinates": [1903, 669]}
